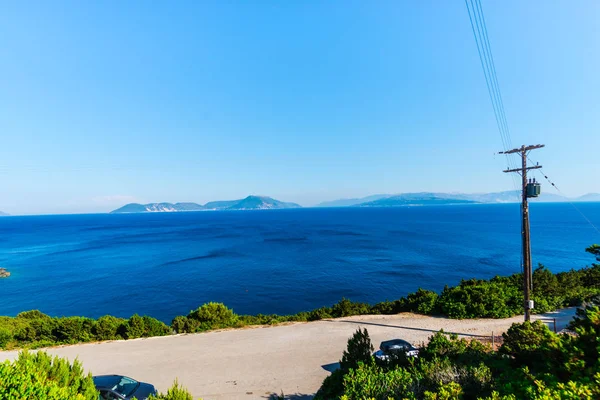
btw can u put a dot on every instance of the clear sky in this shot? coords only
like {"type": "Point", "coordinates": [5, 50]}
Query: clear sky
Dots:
{"type": "Point", "coordinates": [108, 102]}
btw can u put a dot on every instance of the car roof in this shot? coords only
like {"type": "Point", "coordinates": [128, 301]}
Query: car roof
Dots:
{"type": "Point", "coordinates": [395, 342]}
{"type": "Point", "coordinates": [107, 381]}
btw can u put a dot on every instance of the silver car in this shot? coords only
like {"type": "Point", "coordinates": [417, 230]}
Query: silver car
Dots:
{"type": "Point", "coordinates": [392, 348]}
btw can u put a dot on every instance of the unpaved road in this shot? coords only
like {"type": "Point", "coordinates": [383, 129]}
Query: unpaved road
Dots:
{"type": "Point", "coordinates": [257, 362]}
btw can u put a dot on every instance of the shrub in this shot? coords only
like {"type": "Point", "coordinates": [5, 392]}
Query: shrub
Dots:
{"type": "Point", "coordinates": [368, 381]}
{"type": "Point", "coordinates": [359, 350]}
{"type": "Point", "coordinates": [178, 324]}
{"type": "Point", "coordinates": [154, 327]}
{"type": "Point", "coordinates": [480, 299]}
{"type": "Point", "coordinates": [442, 345]}
{"type": "Point", "coordinates": [389, 307]}
{"type": "Point", "coordinates": [175, 392]}
{"type": "Point", "coordinates": [34, 325]}
{"type": "Point", "coordinates": [529, 343]}
{"type": "Point", "coordinates": [422, 302]}
{"type": "Point", "coordinates": [73, 329]}
{"type": "Point", "coordinates": [134, 327]}
{"type": "Point", "coordinates": [39, 376]}
{"type": "Point", "coordinates": [5, 337]}
{"type": "Point", "coordinates": [320, 313]}
{"type": "Point", "coordinates": [191, 325]}
{"type": "Point", "coordinates": [109, 328]}
{"type": "Point", "coordinates": [214, 316]}
{"type": "Point", "coordinates": [347, 308]}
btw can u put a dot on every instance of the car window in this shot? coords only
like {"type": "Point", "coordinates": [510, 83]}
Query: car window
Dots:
{"type": "Point", "coordinates": [126, 386]}
{"type": "Point", "coordinates": [108, 395]}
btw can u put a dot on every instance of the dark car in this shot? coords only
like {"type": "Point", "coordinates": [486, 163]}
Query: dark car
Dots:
{"type": "Point", "coordinates": [393, 348]}
{"type": "Point", "coordinates": [118, 387]}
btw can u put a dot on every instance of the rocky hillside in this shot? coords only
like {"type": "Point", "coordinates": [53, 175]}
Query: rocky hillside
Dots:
{"type": "Point", "coordinates": [249, 203]}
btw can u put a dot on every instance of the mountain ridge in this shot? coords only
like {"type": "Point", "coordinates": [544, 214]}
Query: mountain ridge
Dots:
{"type": "Point", "coordinates": [248, 203]}
{"type": "Point", "coordinates": [428, 198]}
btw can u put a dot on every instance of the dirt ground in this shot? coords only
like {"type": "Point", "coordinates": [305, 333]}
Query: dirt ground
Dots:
{"type": "Point", "coordinates": [255, 363]}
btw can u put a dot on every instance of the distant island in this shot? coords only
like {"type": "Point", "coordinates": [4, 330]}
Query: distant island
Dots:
{"type": "Point", "coordinates": [248, 203]}
{"type": "Point", "coordinates": [378, 200]}
{"type": "Point", "coordinates": [3, 214]}
{"type": "Point", "coordinates": [428, 198]}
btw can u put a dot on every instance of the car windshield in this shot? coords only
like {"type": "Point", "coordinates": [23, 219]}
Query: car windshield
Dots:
{"type": "Point", "coordinates": [395, 345]}
{"type": "Point", "coordinates": [126, 386]}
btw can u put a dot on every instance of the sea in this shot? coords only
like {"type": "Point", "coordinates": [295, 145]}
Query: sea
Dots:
{"type": "Point", "coordinates": [273, 261]}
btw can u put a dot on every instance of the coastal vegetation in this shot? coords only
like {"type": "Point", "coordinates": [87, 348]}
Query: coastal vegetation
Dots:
{"type": "Point", "coordinates": [532, 363]}
{"type": "Point", "coordinates": [40, 376]}
{"type": "Point", "coordinates": [499, 297]}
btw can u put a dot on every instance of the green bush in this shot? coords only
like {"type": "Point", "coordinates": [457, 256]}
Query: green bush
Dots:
{"type": "Point", "coordinates": [73, 329]}
{"type": "Point", "coordinates": [320, 313]}
{"type": "Point", "coordinates": [39, 376]}
{"type": "Point", "coordinates": [481, 299]}
{"type": "Point", "coordinates": [109, 328]}
{"type": "Point", "coordinates": [368, 381]}
{"type": "Point", "coordinates": [347, 308]}
{"type": "Point", "coordinates": [5, 337]}
{"type": "Point", "coordinates": [175, 392]}
{"type": "Point", "coordinates": [422, 302]}
{"type": "Point", "coordinates": [34, 325]}
{"type": "Point", "coordinates": [214, 316]}
{"type": "Point", "coordinates": [134, 327]}
{"type": "Point", "coordinates": [389, 307]}
{"type": "Point", "coordinates": [179, 324]}
{"type": "Point", "coordinates": [525, 340]}
{"type": "Point", "coordinates": [154, 327]}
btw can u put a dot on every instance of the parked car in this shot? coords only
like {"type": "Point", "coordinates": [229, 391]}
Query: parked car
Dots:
{"type": "Point", "coordinates": [393, 348]}
{"type": "Point", "coordinates": [118, 387]}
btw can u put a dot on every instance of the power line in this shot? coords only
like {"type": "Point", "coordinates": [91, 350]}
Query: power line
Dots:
{"type": "Point", "coordinates": [568, 201]}
{"type": "Point", "coordinates": [484, 51]}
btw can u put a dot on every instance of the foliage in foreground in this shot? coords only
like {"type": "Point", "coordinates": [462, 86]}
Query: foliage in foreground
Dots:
{"type": "Point", "coordinates": [499, 297]}
{"type": "Point", "coordinates": [533, 363]}
{"type": "Point", "coordinates": [176, 392]}
{"type": "Point", "coordinates": [39, 376]}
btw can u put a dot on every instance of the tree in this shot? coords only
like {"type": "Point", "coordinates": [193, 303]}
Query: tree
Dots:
{"type": "Point", "coordinates": [359, 350]}
{"type": "Point", "coordinates": [594, 250]}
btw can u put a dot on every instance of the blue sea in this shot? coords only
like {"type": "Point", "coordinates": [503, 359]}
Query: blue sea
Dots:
{"type": "Point", "coordinates": [276, 261]}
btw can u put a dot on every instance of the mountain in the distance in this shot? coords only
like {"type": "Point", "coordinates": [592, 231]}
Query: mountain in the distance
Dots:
{"type": "Point", "coordinates": [221, 204]}
{"type": "Point", "coordinates": [589, 197]}
{"type": "Point", "coordinates": [352, 202]}
{"type": "Point", "coordinates": [157, 207]}
{"type": "Point", "coordinates": [249, 203]}
{"type": "Point", "coordinates": [261, 203]}
{"type": "Point", "coordinates": [3, 214]}
{"type": "Point", "coordinates": [409, 199]}
{"type": "Point", "coordinates": [428, 198]}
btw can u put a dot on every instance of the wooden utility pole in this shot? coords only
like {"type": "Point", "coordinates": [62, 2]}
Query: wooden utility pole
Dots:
{"type": "Point", "coordinates": [530, 189]}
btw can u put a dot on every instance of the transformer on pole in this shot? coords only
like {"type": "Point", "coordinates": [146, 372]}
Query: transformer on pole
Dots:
{"type": "Point", "coordinates": [529, 189]}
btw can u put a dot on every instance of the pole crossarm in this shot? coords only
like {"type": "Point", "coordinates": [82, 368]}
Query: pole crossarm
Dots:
{"type": "Point", "coordinates": [521, 169]}
{"type": "Point", "coordinates": [522, 149]}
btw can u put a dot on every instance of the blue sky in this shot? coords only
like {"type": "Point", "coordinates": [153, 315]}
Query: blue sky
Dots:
{"type": "Point", "coordinates": [104, 103]}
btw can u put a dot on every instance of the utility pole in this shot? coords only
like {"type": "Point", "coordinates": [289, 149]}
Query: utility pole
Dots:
{"type": "Point", "coordinates": [530, 189]}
